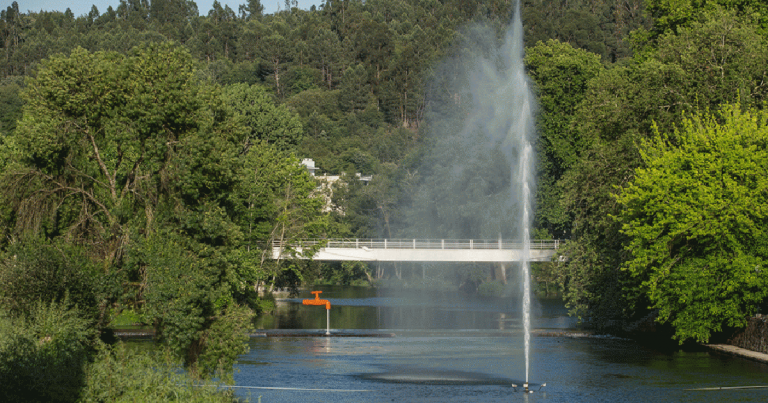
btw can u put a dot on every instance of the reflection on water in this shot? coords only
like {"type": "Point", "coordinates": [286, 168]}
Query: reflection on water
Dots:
{"type": "Point", "coordinates": [469, 349]}
{"type": "Point", "coordinates": [370, 308]}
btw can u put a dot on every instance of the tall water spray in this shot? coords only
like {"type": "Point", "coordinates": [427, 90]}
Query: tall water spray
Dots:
{"type": "Point", "coordinates": [513, 88]}
{"type": "Point", "coordinates": [482, 117]}
{"type": "Point", "coordinates": [523, 131]}
{"type": "Point", "coordinates": [504, 108]}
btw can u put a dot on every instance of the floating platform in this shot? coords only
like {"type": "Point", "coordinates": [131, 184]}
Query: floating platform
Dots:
{"type": "Point", "coordinates": [319, 333]}
{"type": "Point", "coordinates": [148, 334]}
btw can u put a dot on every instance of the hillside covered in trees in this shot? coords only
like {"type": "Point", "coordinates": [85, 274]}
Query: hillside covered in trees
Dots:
{"type": "Point", "coordinates": [351, 80]}
{"type": "Point", "coordinates": [149, 156]}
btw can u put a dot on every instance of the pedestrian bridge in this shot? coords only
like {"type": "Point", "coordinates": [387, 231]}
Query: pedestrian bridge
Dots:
{"type": "Point", "coordinates": [415, 250]}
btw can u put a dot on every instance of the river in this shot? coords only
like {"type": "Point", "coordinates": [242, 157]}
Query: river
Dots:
{"type": "Point", "coordinates": [428, 346]}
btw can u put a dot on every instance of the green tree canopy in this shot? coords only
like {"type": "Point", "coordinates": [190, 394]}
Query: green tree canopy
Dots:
{"type": "Point", "coordinates": [174, 188]}
{"type": "Point", "coordinates": [264, 121]}
{"type": "Point", "coordinates": [561, 74]}
{"type": "Point", "coordinates": [95, 148]}
{"type": "Point", "coordinates": [696, 215]}
{"type": "Point", "coordinates": [669, 15]}
{"type": "Point", "coordinates": [712, 62]}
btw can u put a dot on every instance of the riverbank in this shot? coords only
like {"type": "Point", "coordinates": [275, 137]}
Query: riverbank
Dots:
{"type": "Point", "coordinates": [754, 336]}
{"type": "Point", "coordinates": [751, 342]}
{"type": "Point", "coordinates": [738, 352]}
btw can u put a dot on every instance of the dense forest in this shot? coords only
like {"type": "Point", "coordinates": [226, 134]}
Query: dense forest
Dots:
{"type": "Point", "coordinates": [149, 156]}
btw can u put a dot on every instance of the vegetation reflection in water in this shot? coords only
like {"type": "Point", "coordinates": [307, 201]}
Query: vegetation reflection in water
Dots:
{"type": "Point", "coordinates": [371, 308]}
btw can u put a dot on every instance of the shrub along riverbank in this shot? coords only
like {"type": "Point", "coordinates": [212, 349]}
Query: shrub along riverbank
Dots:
{"type": "Point", "coordinates": [54, 354]}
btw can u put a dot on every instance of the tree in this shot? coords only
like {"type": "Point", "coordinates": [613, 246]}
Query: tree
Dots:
{"type": "Point", "coordinates": [275, 50]}
{"type": "Point", "coordinates": [134, 159]}
{"type": "Point", "coordinates": [94, 151]}
{"type": "Point", "coordinates": [327, 51]}
{"type": "Point", "coordinates": [93, 15]}
{"type": "Point", "coordinates": [222, 29]}
{"type": "Point", "coordinates": [10, 105]}
{"type": "Point", "coordinates": [252, 10]}
{"type": "Point", "coordinates": [670, 15]}
{"type": "Point", "coordinates": [172, 16]}
{"type": "Point", "coordinates": [374, 47]}
{"type": "Point", "coordinates": [696, 219]}
{"type": "Point", "coordinates": [192, 308]}
{"type": "Point", "coordinates": [561, 74]}
{"type": "Point", "coordinates": [405, 100]}
{"type": "Point", "coordinates": [35, 272]}
{"type": "Point", "coordinates": [355, 92]}
{"type": "Point", "coordinates": [44, 355]}
{"type": "Point", "coordinates": [254, 108]}
{"type": "Point", "coordinates": [280, 204]}
{"type": "Point", "coordinates": [620, 109]}
{"type": "Point", "coordinates": [134, 12]}
{"type": "Point", "coordinates": [727, 55]}
{"type": "Point", "coordinates": [12, 24]}
{"type": "Point", "coordinates": [599, 27]}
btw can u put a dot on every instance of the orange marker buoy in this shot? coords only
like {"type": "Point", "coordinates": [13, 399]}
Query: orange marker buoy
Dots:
{"type": "Point", "coordinates": [318, 301]}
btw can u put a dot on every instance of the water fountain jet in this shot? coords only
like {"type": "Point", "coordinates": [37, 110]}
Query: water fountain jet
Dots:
{"type": "Point", "coordinates": [483, 120]}
{"type": "Point", "coordinates": [521, 132]}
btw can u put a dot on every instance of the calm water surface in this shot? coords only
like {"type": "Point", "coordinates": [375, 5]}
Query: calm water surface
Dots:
{"type": "Point", "coordinates": [454, 348]}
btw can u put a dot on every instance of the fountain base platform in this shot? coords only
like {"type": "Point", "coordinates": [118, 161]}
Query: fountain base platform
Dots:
{"type": "Point", "coordinates": [528, 387]}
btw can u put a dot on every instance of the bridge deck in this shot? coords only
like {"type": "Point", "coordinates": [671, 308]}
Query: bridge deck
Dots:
{"type": "Point", "coordinates": [419, 250]}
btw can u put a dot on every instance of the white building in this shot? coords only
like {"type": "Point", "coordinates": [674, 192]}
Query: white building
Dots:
{"type": "Point", "coordinates": [327, 182]}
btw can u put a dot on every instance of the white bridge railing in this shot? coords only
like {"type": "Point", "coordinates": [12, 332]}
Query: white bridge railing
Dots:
{"type": "Point", "coordinates": [467, 244]}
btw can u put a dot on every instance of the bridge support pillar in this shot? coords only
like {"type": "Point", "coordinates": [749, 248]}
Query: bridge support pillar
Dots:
{"type": "Point", "coordinates": [500, 272]}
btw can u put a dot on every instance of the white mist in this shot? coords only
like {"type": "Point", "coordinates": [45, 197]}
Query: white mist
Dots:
{"type": "Point", "coordinates": [484, 107]}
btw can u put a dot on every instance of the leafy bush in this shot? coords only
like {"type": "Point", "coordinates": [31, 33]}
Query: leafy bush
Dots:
{"type": "Point", "coordinates": [43, 355]}
{"type": "Point", "coordinates": [223, 342]}
{"type": "Point", "coordinates": [191, 307]}
{"type": "Point", "coordinates": [266, 305]}
{"type": "Point", "coordinates": [120, 374]}
{"type": "Point", "coordinates": [697, 236]}
{"type": "Point", "coordinates": [52, 355]}
{"type": "Point", "coordinates": [35, 271]}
